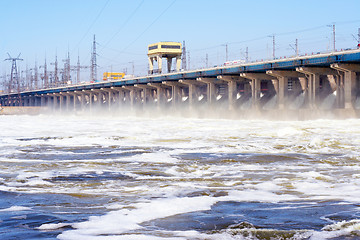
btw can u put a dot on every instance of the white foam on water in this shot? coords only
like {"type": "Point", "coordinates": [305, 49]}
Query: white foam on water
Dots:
{"type": "Point", "coordinates": [157, 157]}
{"type": "Point", "coordinates": [15, 209]}
{"type": "Point", "coordinates": [325, 165]}
{"type": "Point", "coordinates": [123, 220]}
{"type": "Point", "coordinates": [343, 228]}
{"type": "Point", "coordinates": [289, 131]}
{"type": "Point", "coordinates": [256, 195]}
{"type": "Point", "coordinates": [53, 226]}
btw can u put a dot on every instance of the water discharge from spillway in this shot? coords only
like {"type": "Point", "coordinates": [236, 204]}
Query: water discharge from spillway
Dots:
{"type": "Point", "coordinates": [111, 176]}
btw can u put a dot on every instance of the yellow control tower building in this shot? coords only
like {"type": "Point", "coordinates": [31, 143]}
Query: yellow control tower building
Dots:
{"type": "Point", "coordinates": [160, 50]}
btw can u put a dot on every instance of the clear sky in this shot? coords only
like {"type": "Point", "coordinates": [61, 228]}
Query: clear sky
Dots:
{"type": "Point", "coordinates": [123, 29]}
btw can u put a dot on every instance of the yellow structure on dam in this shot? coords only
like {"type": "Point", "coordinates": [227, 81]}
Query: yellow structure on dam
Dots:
{"type": "Point", "coordinates": [160, 50]}
{"type": "Point", "coordinates": [112, 76]}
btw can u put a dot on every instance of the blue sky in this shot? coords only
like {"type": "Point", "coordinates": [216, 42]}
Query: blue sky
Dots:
{"type": "Point", "coordinates": [123, 29]}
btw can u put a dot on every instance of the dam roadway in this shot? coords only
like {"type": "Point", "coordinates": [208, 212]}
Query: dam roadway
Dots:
{"type": "Point", "coordinates": [306, 86]}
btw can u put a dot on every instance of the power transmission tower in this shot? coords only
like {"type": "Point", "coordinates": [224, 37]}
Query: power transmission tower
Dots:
{"type": "Point", "coordinates": [333, 36]}
{"type": "Point", "coordinates": [45, 77]}
{"type": "Point", "coordinates": [93, 76]}
{"type": "Point", "coordinates": [78, 68]}
{"type": "Point", "coordinates": [14, 84]}
{"type": "Point", "coordinates": [66, 77]}
{"type": "Point", "coordinates": [34, 79]}
{"type": "Point", "coordinates": [55, 80]}
{"type": "Point", "coordinates": [28, 78]}
{"type": "Point", "coordinates": [183, 56]}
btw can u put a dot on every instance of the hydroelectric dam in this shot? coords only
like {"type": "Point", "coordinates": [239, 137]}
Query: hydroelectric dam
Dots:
{"type": "Point", "coordinates": [318, 85]}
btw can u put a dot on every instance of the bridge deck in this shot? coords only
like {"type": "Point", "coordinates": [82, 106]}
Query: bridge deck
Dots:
{"type": "Point", "coordinates": [320, 60]}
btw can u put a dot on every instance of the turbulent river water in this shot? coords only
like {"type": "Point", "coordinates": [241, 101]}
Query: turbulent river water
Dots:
{"type": "Point", "coordinates": [110, 177]}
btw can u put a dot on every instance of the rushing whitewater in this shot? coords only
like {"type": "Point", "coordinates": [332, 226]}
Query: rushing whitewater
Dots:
{"type": "Point", "coordinates": [111, 177]}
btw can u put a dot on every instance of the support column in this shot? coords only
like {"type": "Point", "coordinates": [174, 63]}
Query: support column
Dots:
{"type": "Point", "coordinates": [160, 93]}
{"type": "Point", "coordinates": [89, 94]}
{"type": "Point", "coordinates": [133, 94]}
{"type": "Point", "coordinates": [151, 65]}
{"type": "Point", "coordinates": [120, 96]}
{"type": "Point", "coordinates": [175, 91]}
{"type": "Point", "coordinates": [232, 88]}
{"type": "Point", "coordinates": [61, 102]}
{"type": "Point", "coordinates": [159, 60]}
{"type": "Point", "coordinates": [108, 96]}
{"type": "Point", "coordinates": [76, 95]}
{"type": "Point", "coordinates": [281, 84]}
{"type": "Point", "coordinates": [255, 79]}
{"type": "Point", "coordinates": [147, 96]}
{"type": "Point", "coordinates": [43, 100]}
{"type": "Point", "coordinates": [178, 63]}
{"type": "Point", "coordinates": [169, 63]}
{"type": "Point", "coordinates": [193, 91]}
{"type": "Point", "coordinates": [349, 82]}
{"type": "Point", "coordinates": [29, 101]}
{"type": "Point", "coordinates": [99, 95]}
{"type": "Point", "coordinates": [211, 87]}
{"type": "Point", "coordinates": [66, 97]}
{"type": "Point", "coordinates": [313, 83]}
{"type": "Point", "coordinates": [26, 101]}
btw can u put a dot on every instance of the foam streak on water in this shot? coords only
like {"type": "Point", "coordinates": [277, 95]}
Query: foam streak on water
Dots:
{"type": "Point", "coordinates": [109, 177]}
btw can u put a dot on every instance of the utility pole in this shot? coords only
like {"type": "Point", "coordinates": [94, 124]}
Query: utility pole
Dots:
{"type": "Point", "coordinates": [28, 78]}
{"type": "Point", "coordinates": [296, 48]}
{"type": "Point", "coordinates": [334, 36]}
{"type": "Point", "coordinates": [247, 54]}
{"type": "Point", "coordinates": [207, 61]}
{"type": "Point", "coordinates": [273, 46]}
{"type": "Point", "coordinates": [183, 56]}
{"type": "Point", "coordinates": [226, 51]}
{"type": "Point", "coordinates": [46, 78]}
{"type": "Point", "coordinates": [78, 70]}
{"type": "Point", "coordinates": [93, 75]}
{"type": "Point", "coordinates": [188, 53]}
{"type": "Point", "coordinates": [133, 68]}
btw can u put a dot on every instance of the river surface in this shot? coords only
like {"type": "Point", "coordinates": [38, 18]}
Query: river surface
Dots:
{"type": "Point", "coordinates": [109, 177]}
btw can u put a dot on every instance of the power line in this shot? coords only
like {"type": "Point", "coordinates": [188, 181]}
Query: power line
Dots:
{"type": "Point", "coordinates": [92, 24]}
{"type": "Point", "coordinates": [148, 27]}
{"type": "Point", "coordinates": [124, 24]}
